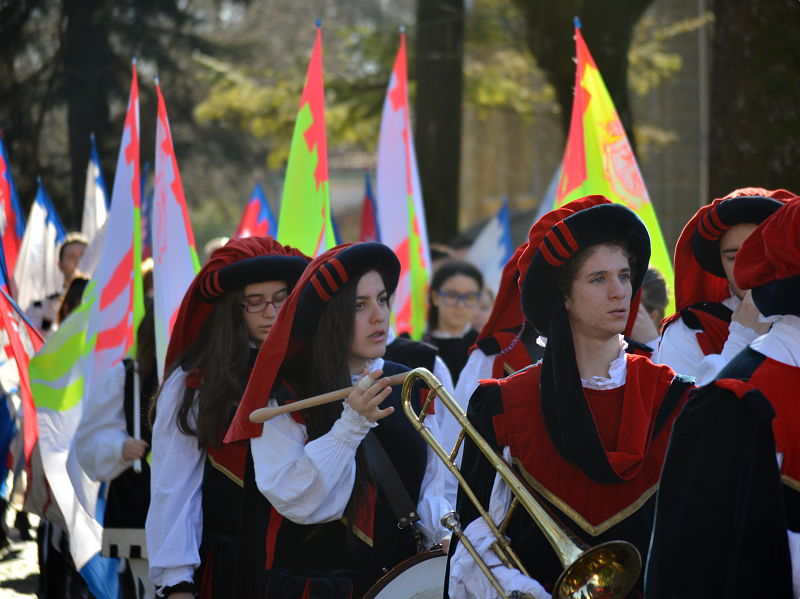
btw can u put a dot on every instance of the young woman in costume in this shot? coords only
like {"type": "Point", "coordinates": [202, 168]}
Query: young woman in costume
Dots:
{"type": "Point", "coordinates": [587, 427]}
{"type": "Point", "coordinates": [196, 487]}
{"type": "Point", "coordinates": [715, 319]}
{"type": "Point", "coordinates": [321, 495]}
{"type": "Point", "coordinates": [453, 301]}
{"type": "Point", "coordinates": [737, 505]}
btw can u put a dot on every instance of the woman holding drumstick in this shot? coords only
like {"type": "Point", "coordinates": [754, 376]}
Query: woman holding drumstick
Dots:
{"type": "Point", "coordinates": [320, 516]}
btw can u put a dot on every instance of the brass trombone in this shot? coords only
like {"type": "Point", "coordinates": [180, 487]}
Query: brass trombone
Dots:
{"type": "Point", "coordinates": [608, 570]}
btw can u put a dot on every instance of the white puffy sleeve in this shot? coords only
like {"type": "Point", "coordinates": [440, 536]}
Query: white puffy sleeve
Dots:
{"type": "Point", "coordinates": [679, 349]}
{"type": "Point", "coordinates": [739, 337]}
{"type": "Point", "coordinates": [466, 579]}
{"type": "Point", "coordinates": [308, 483]}
{"type": "Point", "coordinates": [102, 430]}
{"type": "Point", "coordinates": [434, 502]}
{"type": "Point", "coordinates": [174, 524]}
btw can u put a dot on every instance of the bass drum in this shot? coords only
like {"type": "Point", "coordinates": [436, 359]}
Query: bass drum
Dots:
{"type": "Point", "coordinates": [419, 577]}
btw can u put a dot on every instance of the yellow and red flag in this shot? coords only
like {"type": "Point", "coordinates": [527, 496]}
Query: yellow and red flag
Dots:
{"type": "Point", "coordinates": [599, 158]}
{"type": "Point", "coordinates": [305, 217]}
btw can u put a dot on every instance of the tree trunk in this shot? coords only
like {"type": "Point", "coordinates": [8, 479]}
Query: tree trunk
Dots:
{"type": "Point", "coordinates": [608, 31]}
{"type": "Point", "coordinates": [89, 75]}
{"type": "Point", "coordinates": [755, 78]}
{"type": "Point", "coordinates": [439, 75]}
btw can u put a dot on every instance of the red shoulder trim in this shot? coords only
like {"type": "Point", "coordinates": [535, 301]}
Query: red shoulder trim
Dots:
{"type": "Point", "coordinates": [737, 387]}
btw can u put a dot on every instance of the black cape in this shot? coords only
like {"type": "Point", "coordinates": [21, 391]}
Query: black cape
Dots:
{"type": "Point", "coordinates": [720, 528]}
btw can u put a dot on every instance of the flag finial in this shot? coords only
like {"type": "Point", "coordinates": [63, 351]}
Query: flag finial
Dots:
{"type": "Point", "coordinates": [577, 22]}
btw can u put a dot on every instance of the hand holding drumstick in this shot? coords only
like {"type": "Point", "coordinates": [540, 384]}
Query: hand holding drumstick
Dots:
{"type": "Point", "coordinates": [366, 400]}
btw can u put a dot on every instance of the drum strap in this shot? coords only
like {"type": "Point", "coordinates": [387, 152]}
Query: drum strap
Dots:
{"type": "Point", "coordinates": [389, 480]}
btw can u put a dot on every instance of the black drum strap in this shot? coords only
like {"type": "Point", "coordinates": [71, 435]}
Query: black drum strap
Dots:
{"type": "Point", "coordinates": [389, 481]}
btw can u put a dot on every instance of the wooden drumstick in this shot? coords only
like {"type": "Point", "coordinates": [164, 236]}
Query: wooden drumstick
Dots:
{"type": "Point", "coordinates": [268, 413]}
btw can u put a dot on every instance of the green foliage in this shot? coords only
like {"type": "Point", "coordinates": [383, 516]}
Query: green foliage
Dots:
{"type": "Point", "coordinates": [499, 71]}
{"type": "Point", "coordinates": [649, 62]}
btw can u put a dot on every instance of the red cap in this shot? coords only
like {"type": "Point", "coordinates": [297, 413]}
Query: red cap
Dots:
{"type": "Point", "coordinates": [693, 283]}
{"type": "Point", "coordinates": [197, 303]}
{"type": "Point", "coordinates": [772, 251]}
{"type": "Point", "coordinates": [507, 309]}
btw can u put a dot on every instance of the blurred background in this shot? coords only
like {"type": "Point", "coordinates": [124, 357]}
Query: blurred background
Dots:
{"type": "Point", "coordinates": [708, 91]}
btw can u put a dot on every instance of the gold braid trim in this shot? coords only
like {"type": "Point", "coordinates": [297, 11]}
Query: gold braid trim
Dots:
{"type": "Point", "coordinates": [225, 471]}
{"type": "Point", "coordinates": [790, 482]}
{"type": "Point", "coordinates": [582, 522]}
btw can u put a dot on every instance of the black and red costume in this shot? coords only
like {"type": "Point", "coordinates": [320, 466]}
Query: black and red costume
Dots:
{"type": "Point", "coordinates": [592, 455]}
{"type": "Point", "coordinates": [729, 506]}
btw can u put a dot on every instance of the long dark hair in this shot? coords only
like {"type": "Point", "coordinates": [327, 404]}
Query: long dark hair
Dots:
{"type": "Point", "coordinates": [221, 355]}
{"type": "Point", "coordinates": [323, 367]}
{"type": "Point", "coordinates": [440, 277]}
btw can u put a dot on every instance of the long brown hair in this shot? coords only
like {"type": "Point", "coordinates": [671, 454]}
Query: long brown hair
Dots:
{"type": "Point", "coordinates": [323, 367]}
{"type": "Point", "coordinates": [221, 355]}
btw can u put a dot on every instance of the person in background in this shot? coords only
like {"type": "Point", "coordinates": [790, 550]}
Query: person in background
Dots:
{"type": "Point", "coordinates": [440, 253]}
{"type": "Point", "coordinates": [485, 305]}
{"type": "Point", "coordinates": [453, 300]}
{"type": "Point", "coordinates": [43, 313]}
{"type": "Point", "coordinates": [728, 511]}
{"type": "Point", "coordinates": [655, 296]}
{"type": "Point", "coordinates": [107, 450]}
{"type": "Point", "coordinates": [72, 297]}
{"type": "Point", "coordinates": [212, 245]}
{"type": "Point", "coordinates": [715, 319]}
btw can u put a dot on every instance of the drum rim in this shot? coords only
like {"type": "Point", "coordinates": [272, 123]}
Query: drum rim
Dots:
{"type": "Point", "coordinates": [406, 564]}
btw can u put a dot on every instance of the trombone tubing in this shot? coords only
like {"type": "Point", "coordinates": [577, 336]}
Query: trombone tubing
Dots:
{"type": "Point", "coordinates": [567, 552]}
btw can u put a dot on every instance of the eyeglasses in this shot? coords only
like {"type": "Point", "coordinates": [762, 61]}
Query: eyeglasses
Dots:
{"type": "Point", "coordinates": [261, 304]}
{"type": "Point", "coordinates": [451, 298]}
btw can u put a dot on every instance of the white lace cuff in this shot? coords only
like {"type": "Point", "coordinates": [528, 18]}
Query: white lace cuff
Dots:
{"type": "Point", "coordinates": [351, 427]}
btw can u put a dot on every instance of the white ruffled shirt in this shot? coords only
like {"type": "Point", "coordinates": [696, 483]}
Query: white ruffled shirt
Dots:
{"type": "Point", "coordinates": [311, 482]}
{"type": "Point", "coordinates": [466, 579]}
{"type": "Point", "coordinates": [680, 350]}
{"type": "Point", "coordinates": [174, 526]}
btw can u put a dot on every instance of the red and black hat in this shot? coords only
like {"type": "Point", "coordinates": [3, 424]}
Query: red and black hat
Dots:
{"type": "Point", "coordinates": [298, 319]}
{"type": "Point", "coordinates": [507, 310]}
{"type": "Point", "coordinates": [237, 264]}
{"type": "Point", "coordinates": [559, 235]}
{"type": "Point", "coordinates": [698, 269]}
{"type": "Point", "coordinates": [768, 262]}
{"type": "Point", "coordinates": [721, 216]}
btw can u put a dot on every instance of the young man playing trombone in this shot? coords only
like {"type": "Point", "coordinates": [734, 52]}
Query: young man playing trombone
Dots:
{"type": "Point", "coordinates": [586, 428]}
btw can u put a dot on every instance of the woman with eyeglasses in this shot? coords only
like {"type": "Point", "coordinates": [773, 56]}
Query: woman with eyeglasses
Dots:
{"type": "Point", "coordinates": [196, 481]}
{"type": "Point", "coordinates": [455, 290]}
